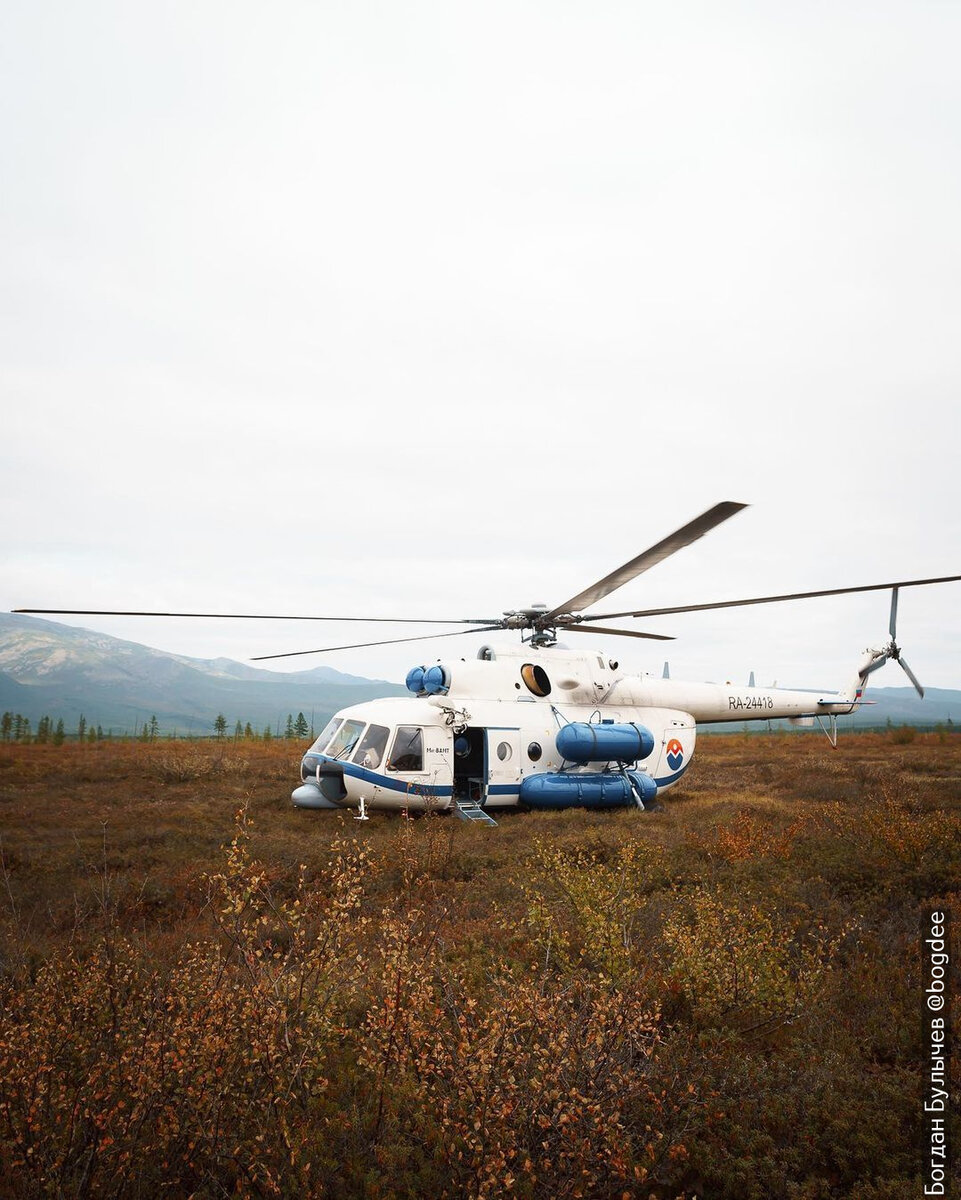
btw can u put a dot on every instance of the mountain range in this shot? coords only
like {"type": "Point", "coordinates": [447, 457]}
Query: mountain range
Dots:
{"type": "Point", "coordinates": [49, 669]}
{"type": "Point", "coordinates": [59, 670]}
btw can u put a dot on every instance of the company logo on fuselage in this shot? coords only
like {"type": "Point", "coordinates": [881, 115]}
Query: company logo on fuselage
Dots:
{"type": "Point", "coordinates": [675, 754]}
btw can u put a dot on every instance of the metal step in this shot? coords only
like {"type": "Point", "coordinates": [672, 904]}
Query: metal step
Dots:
{"type": "Point", "coordinates": [470, 810]}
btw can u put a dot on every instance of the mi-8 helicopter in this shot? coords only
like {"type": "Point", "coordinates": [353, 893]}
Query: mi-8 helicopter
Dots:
{"type": "Point", "coordinates": [536, 725]}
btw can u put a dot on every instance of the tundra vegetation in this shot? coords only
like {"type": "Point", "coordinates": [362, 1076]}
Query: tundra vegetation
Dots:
{"type": "Point", "coordinates": [206, 992]}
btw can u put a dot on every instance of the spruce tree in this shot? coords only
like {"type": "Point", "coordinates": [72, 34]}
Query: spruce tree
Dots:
{"type": "Point", "coordinates": [6, 726]}
{"type": "Point", "coordinates": [220, 725]}
{"type": "Point", "coordinates": [58, 733]}
{"type": "Point", "coordinates": [301, 728]}
{"type": "Point", "coordinates": [81, 728]}
{"type": "Point", "coordinates": [289, 731]}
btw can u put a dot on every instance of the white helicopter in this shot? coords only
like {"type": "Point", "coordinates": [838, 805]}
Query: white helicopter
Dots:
{"type": "Point", "coordinates": [538, 726]}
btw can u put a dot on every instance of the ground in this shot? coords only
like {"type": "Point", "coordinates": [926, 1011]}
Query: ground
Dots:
{"type": "Point", "coordinates": [208, 992]}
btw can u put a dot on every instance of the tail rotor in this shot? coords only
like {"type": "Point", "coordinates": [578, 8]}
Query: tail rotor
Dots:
{"type": "Point", "coordinates": [892, 650]}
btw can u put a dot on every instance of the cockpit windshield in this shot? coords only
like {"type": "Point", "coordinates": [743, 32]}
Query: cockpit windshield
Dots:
{"type": "Point", "coordinates": [371, 750]}
{"type": "Point", "coordinates": [345, 739]}
{"type": "Point", "coordinates": [326, 734]}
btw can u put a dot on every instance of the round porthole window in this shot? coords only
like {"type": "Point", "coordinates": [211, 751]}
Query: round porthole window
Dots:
{"type": "Point", "coordinates": [534, 751]}
{"type": "Point", "coordinates": [503, 751]}
{"type": "Point", "coordinates": [536, 679]}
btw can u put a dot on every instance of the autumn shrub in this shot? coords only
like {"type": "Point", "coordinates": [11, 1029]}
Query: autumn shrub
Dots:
{"type": "Point", "coordinates": [114, 1070]}
{"type": "Point", "coordinates": [904, 735]}
{"type": "Point", "coordinates": [584, 911]}
{"type": "Point", "coordinates": [741, 964]}
{"type": "Point", "coordinates": [309, 1044]}
{"type": "Point", "coordinates": [745, 839]}
{"type": "Point", "coordinates": [798, 1124]}
{"type": "Point", "coordinates": [185, 765]}
{"type": "Point", "coordinates": [532, 1090]}
{"type": "Point", "coordinates": [886, 837]}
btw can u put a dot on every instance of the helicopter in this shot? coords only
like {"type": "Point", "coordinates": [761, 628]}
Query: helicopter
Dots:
{"type": "Point", "coordinates": [539, 726]}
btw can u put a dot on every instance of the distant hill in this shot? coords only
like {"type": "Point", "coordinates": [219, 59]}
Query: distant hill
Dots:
{"type": "Point", "coordinates": [903, 706]}
{"type": "Point", "coordinates": [58, 670]}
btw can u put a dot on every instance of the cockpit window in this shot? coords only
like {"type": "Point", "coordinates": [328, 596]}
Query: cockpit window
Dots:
{"type": "Point", "coordinates": [408, 750]}
{"type": "Point", "coordinates": [370, 752]}
{"type": "Point", "coordinates": [345, 739]}
{"type": "Point", "coordinates": [327, 733]}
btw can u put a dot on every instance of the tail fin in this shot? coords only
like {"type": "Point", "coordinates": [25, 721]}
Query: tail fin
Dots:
{"type": "Point", "coordinates": [855, 690]}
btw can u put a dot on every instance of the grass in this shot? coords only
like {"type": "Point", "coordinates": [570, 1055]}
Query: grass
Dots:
{"type": "Point", "coordinates": [718, 1000]}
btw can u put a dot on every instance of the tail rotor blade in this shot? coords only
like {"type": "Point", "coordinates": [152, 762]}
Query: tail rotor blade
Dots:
{"type": "Point", "coordinates": [893, 623]}
{"type": "Point", "coordinates": [911, 675]}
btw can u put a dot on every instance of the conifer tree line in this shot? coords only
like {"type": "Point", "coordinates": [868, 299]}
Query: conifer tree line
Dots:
{"type": "Point", "coordinates": [296, 727]}
{"type": "Point", "coordinates": [15, 727]}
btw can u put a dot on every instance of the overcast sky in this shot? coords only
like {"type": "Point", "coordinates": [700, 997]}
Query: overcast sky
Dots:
{"type": "Point", "coordinates": [436, 310]}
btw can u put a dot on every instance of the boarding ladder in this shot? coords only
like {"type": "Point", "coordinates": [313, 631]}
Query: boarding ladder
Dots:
{"type": "Point", "coordinates": [470, 810]}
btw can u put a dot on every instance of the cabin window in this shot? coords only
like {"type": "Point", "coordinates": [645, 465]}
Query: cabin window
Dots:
{"type": "Point", "coordinates": [345, 739]}
{"type": "Point", "coordinates": [503, 751]}
{"type": "Point", "coordinates": [370, 752]}
{"type": "Point", "coordinates": [408, 750]}
{"type": "Point", "coordinates": [328, 732]}
{"type": "Point", "coordinates": [536, 679]}
{"type": "Point", "coordinates": [534, 751]}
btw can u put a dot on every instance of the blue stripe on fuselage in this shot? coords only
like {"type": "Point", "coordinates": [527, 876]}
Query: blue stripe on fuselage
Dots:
{"type": "Point", "coordinates": [669, 779]}
{"type": "Point", "coordinates": [432, 789]}
{"type": "Point", "coordinates": [393, 785]}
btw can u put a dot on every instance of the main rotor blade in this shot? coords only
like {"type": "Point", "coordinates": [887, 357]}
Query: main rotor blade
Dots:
{"type": "Point", "coordinates": [680, 608]}
{"type": "Point", "coordinates": [892, 624]}
{"type": "Point", "coordinates": [110, 612]}
{"type": "Point", "coordinates": [911, 675]}
{"type": "Point", "coordinates": [655, 637]}
{"type": "Point", "coordinates": [649, 558]}
{"type": "Point", "coordinates": [424, 637]}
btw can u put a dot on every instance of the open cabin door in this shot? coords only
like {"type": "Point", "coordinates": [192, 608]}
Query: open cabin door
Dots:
{"type": "Point", "coordinates": [470, 766]}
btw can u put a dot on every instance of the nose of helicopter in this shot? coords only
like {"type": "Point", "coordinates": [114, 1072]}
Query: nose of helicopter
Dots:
{"type": "Point", "coordinates": [309, 795]}
{"type": "Point", "coordinates": [324, 787]}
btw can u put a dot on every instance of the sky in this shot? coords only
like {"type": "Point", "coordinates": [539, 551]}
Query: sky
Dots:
{"type": "Point", "coordinates": [443, 309]}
